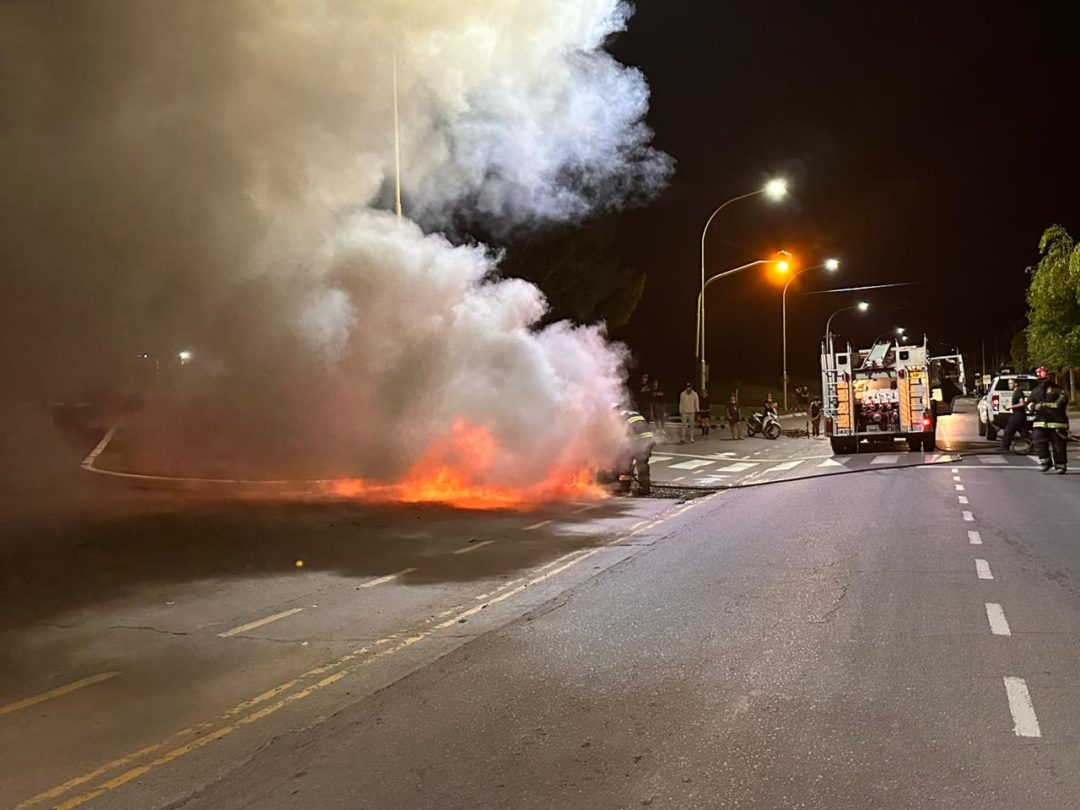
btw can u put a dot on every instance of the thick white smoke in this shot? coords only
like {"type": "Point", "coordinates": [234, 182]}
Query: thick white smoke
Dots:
{"type": "Point", "coordinates": [509, 107]}
{"type": "Point", "coordinates": [419, 334]}
{"type": "Point", "coordinates": [217, 175]}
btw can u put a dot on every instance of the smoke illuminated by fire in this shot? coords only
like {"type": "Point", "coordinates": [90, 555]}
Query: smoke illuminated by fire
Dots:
{"type": "Point", "coordinates": [217, 177]}
{"type": "Point", "coordinates": [455, 470]}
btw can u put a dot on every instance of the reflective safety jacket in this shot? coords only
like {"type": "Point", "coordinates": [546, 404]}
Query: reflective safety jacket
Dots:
{"type": "Point", "coordinates": [640, 432]}
{"type": "Point", "coordinates": [1050, 410]}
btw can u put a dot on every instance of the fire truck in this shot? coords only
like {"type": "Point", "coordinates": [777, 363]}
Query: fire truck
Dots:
{"type": "Point", "coordinates": [880, 394]}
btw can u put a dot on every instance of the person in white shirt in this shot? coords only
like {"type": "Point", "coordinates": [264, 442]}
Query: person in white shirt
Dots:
{"type": "Point", "coordinates": [688, 409]}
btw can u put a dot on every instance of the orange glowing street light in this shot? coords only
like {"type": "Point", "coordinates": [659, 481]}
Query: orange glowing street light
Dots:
{"type": "Point", "coordinates": [832, 265]}
{"type": "Point", "coordinates": [782, 265]}
{"type": "Point", "coordinates": [774, 190]}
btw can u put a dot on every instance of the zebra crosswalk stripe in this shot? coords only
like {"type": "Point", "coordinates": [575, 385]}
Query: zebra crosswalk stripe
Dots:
{"type": "Point", "coordinates": [738, 466]}
{"type": "Point", "coordinates": [692, 464]}
{"type": "Point", "coordinates": [887, 458]}
{"type": "Point", "coordinates": [788, 465]}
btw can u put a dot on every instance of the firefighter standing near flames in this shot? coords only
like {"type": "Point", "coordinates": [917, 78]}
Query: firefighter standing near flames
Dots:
{"type": "Point", "coordinates": [1050, 432]}
{"type": "Point", "coordinates": [640, 441]}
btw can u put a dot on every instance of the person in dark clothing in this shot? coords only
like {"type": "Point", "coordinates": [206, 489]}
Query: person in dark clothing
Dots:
{"type": "Point", "coordinates": [704, 412]}
{"type": "Point", "coordinates": [734, 417]}
{"type": "Point", "coordinates": [815, 416]}
{"type": "Point", "coordinates": [1017, 417]}
{"type": "Point", "coordinates": [659, 408]}
{"type": "Point", "coordinates": [1050, 431]}
{"type": "Point", "coordinates": [635, 462]}
{"type": "Point", "coordinates": [644, 398]}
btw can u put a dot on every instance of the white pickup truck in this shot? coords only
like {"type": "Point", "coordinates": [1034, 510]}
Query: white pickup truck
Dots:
{"type": "Point", "coordinates": [995, 404]}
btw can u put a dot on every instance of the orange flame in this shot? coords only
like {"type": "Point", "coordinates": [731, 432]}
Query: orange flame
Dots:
{"type": "Point", "coordinates": [455, 469]}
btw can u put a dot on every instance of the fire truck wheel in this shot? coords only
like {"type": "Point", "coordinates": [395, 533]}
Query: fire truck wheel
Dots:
{"type": "Point", "coordinates": [841, 446]}
{"type": "Point", "coordinates": [991, 431]}
{"type": "Point", "coordinates": [982, 427]}
{"type": "Point", "coordinates": [914, 445]}
{"type": "Point", "coordinates": [929, 442]}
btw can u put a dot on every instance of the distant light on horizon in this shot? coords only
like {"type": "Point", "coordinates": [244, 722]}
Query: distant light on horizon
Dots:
{"type": "Point", "coordinates": [863, 306]}
{"type": "Point", "coordinates": [832, 264]}
{"type": "Point", "coordinates": [184, 356]}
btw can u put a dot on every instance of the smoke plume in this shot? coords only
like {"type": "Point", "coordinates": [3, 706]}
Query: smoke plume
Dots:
{"type": "Point", "coordinates": [217, 176]}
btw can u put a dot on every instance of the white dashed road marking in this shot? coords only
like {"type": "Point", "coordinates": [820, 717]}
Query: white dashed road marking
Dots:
{"type": "Point", "coordinates": [1025, 723]}
{"type": "Point", "coordinates": [956, 478]}
{"type": "Point", "coordinates": [982, 568]}
{"type": "Point", "coordinates": [996, 616]}
{"type": "Point", "coordinates": [968, 516]}
{"type": "Point", "coordinates": [975, 538]}
{"type": "Point", "coordinates": [387, 578]}
{"type": "Point", "coordinates": [959, 487]}
{"type": "Point", "coordinates": [258, 623]}
{"type": "Point", "coordinates": [963, 499]}
{"type": "Point", "coordinates": [55, 693]}
{"type": "Point", "coordinates": [473, 547]}
{"type": "Point", "coordinates": [539, 525]}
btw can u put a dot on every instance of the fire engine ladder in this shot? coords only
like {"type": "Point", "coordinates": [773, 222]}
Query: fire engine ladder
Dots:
{"type": "Point", "coordinates": [832, 377]}
{"type": "Point", "coordinates": [836, 406]}
{"type": "Point", "coordinates": [876, 358]}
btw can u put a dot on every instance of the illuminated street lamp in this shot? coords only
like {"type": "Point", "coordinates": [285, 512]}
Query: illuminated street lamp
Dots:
{"type": "Point", "coordinates": [184, 357]}
{"type": "Point", "coordinates": [782, 265]}
{"type": "Point", "coordinates": [775, 190]}
{"type": "Point", "coordinates": [862, 306]}
{"type": "Point", "coordinates": [832, 265]}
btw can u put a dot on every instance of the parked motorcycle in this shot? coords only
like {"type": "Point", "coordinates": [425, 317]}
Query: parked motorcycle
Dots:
{"type": "Point", "coordinates": [764, 423]}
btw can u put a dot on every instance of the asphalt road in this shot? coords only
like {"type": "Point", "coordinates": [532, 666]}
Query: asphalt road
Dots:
{"type": "Point", "coordinates": [900, 636]}
{"type": "Point", "coordinates": [719, 461]}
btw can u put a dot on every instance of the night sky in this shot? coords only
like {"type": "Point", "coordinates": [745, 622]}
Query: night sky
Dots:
{"type": "Point", "coordinates": [921, 144]}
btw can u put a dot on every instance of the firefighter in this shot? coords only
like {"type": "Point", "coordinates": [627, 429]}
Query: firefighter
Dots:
{"type": "Point", "coordinates": [1050, 432]}
{"type": "Point", "coordinates": [636, 459]}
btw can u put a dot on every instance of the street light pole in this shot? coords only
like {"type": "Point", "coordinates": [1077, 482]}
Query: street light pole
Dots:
{"type": "Point", "coordinates": [862, 306]}
{"type": "Point", "coordinates": [774, 189]}
{"type": "Point", "coordinates": [701, 300]}
{"type": "Point", "coordinates": [831, 265]}
{"type": "Point", "coordinates": [397, 145]}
